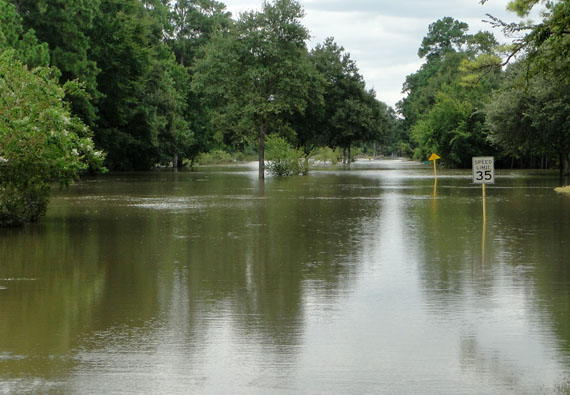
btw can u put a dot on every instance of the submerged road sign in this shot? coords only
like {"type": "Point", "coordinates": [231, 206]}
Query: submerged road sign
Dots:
{"type": "Point", "coordinates": [484, 170]}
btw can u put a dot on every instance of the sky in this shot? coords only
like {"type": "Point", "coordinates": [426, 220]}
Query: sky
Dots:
{"type": "Point", "coordinates": [383, 36]}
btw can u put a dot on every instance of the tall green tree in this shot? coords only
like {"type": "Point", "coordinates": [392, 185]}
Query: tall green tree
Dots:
{"type": "Point", "coordinates": [24, 42]}
{"type": "Point", "coordinates": [349, 113]}
{"type": "Point", "coordinates": [144, 90]}
{"type": "Point", "coordinates": [442, 49]}
{"type": "Point", "coordinates": [529, 117]}
{"type": "Point", "coordinates": [64, 25]}
{"type": "Point", "coordinates": [192, 24]}
{"type": "Point", "coordinates": [443, 108]}
{"type": "Point", "coordinates": [545, 70]}
{"type": "Point", "coordinates": [444, 35]}
{"type": "Point", "coordinates": [255, 79]}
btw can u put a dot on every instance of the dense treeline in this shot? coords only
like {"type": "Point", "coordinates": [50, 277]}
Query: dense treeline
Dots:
{"type": "Point", "coordinates": [159, 81]}
{"type": "Point", "coordinates": [464, 102]}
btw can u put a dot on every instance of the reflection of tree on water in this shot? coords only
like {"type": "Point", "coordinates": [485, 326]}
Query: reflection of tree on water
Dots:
{"type": "Point", "coordinates": [267, 248]}
{"type": "Point", "coordinates": [53, 282]}
{"type": "Point", "coordinates": [519, 299]}
{"type": "Point", "coordinates": [160, 268]}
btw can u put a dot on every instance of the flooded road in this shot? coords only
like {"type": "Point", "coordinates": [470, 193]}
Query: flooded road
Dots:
{"type": "Point", "coordinates": [370, 280]}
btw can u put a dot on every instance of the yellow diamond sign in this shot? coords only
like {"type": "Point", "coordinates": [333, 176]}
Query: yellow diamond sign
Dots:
{"type": "Point", "coordinates": [434, 157]}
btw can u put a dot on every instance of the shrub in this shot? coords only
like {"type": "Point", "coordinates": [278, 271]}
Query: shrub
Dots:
{"type": "Point", "coordinates": [283, 159]}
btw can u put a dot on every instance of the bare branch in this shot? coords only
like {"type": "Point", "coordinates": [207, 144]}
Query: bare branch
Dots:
{"type": "Point", "coordinates": [509, 29]}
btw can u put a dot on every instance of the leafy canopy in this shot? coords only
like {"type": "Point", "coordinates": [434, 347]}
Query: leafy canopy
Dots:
{"type": "Point", "coordinates": [40, 141]}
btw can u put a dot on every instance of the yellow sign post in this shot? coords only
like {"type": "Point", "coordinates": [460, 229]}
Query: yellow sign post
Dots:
{"type": "Point", "coordinates": [434, 157]}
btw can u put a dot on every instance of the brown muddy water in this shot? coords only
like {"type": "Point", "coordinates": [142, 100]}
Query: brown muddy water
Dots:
{"type": "Point", "coordinates": [361, 281]}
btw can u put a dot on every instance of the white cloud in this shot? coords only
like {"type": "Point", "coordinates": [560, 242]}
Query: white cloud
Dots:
{"type": "Point", "coordinates": [383, 37]}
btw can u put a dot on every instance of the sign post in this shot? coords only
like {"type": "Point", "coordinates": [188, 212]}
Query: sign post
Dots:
{"type": "Point", "coordinates": [484, 173]}
{"type": "Point", "coordinates": [434, 157]}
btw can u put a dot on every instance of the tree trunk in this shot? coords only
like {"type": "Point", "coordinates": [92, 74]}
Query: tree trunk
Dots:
{"type": "Point", "coordinates": [262, 152]}
{"type": "Point", "coordinates": [175, 162]}
{"type": "Point", "coordinates": [563, 163]}
{"type": "Point", "coordinates": [306, 162]}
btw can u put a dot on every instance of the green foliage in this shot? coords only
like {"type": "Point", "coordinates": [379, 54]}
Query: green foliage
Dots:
{"type": "Point", "coordinates": [214, 157]}
{"type": "Point", "coordinates": [12, 35]}
{"type": "Point", "coordinates": [141, 115]}
{"type": "Point", "coordinates": [192, 24]}
{"type": "Point", "coordinates": [326, 155]}
{"type": "Point", "coordinates": [255, 79]}
{"type": "Point", "coordinates": [40, 141]}
{"type": "Point", "coordinates": [452, 129]}
{"type": "Point", "coordinates": [161, 81]}
{"type": "Point", "coordinates": [444, 35]}
{"type": "Point", "coordinates": [65, 25]}
{"type": "Point", "coordinates": [531, 118]}
{"type": "Point", "coordinates": [522, 7]}
{"type": "Point", "coordinates": [546, 45]}
{"type": "Point", "coordinates": [283, 159]}
{"type": "Point", "coordinates": [349, 113]}
{"type": "Point", "coordinates": [443, 109]}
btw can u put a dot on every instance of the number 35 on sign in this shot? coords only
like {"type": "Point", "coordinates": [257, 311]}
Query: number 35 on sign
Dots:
{"type": "Point", "coordinates": [484, 170]}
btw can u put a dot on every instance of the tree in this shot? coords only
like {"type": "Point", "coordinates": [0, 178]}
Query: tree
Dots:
{"type": "Point", "coordinates": [192, 24]}
{"type": "Point", "coordinates": [530, 117]}
{"type": "Point", "coordinates": [444, 35]}
{"type": "Point", "coordinates": [546, 44]}
{"type": "Point", "coordinates": [40, 141]}
{"type": "Point", "coordinates": [168, 87]}
{"type": "Point", "coordinates": [142, 111]}
{"type": "Point", "coordinates": [256, 78]}
{"type": "Point", "coordinates": [349, 113]}
{"type": "Point", "coordinates": [26, 44]}
{"type": "Point", "coordinates": [64, 25]}
{"type": "Point", "coordinates": [454, 128]}
{"type": "Point", "coordinates": [545, 48]}
{"type": "Point", "coordinates": [443, 108]}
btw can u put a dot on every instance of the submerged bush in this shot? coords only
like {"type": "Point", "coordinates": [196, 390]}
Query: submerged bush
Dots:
{"type": "Point", "coordinates": [283, 160]}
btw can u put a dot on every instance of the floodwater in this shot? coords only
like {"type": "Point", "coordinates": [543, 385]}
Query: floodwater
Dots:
{"type": "Point", "coordinates": [363, 281]}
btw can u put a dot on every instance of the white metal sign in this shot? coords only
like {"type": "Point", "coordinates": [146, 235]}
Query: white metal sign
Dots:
{"type": "Point", "coordinates": [484, 170]}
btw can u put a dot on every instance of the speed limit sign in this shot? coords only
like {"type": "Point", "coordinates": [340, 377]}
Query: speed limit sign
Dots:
{"type": "Point", "coordinates": [484, 170]}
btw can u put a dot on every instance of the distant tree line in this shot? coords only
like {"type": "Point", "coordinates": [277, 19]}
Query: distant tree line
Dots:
{"type": "Point", "coordinates": [473, 96]}
{"type": "Point", "coordinates": [160, 81]}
